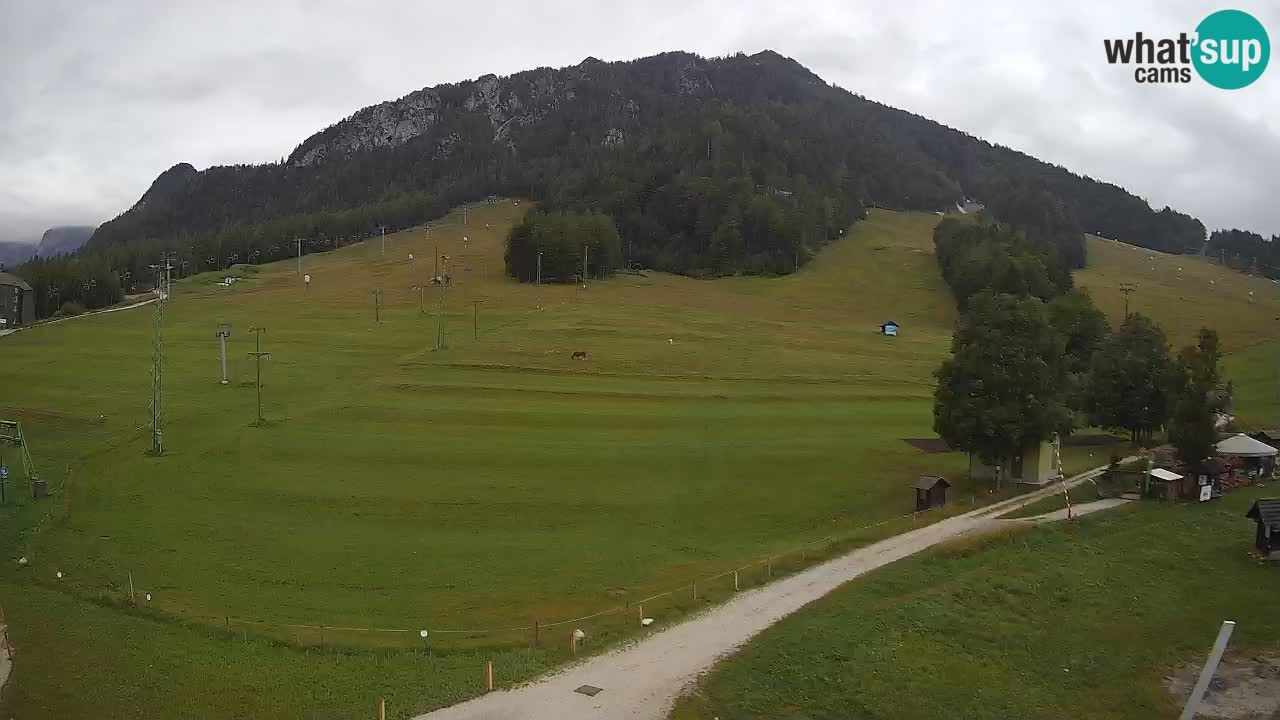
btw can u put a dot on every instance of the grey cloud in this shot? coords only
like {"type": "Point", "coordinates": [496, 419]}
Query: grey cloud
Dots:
{"type": "Point", "coordinates": [96, 99]}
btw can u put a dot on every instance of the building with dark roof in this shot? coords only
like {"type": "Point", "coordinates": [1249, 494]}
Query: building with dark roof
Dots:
{"type": "Point", "coordinates": [931, 492]}
{"type": "Point", "coordinates": [1266, 513]}
{"type": "Point", "coordinates": [17, 302]}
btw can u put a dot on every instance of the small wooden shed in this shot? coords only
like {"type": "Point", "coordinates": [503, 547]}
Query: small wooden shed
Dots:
{"type": "Point", "coordinates": [1266, 513]}
{"type": "Point", "coordinates": [1165, 485]}
{"type": "Point", "coordinates": [931, 492]}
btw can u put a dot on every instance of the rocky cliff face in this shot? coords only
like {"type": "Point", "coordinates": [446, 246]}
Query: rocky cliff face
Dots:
{"type": "Point", "coordinates": [384, 125]}
{"type": "Point", "coordinates": [505, 104]}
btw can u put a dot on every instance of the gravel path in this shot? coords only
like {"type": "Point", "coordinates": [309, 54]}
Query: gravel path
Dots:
{"type": "Point", "coordinates": [1076, 511]}
{"type": "Point", "coordinates": [641, 680]}
{"type": "Point", "coordinates": [113, 308]}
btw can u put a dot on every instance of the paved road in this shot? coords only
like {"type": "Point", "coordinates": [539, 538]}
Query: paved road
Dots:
{"type": "Point", "coordinates": [641, 680]}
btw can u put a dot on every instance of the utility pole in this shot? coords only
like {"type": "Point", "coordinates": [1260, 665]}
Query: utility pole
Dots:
{"type": "Point", "coordinates": [299, 242]}
{"type": "Point", "coordinates": [539, 281]}
{"type": "Point", "coordinates": [475, 319]}
{"type": "Point", "coordinates": [157, 369]}
{"type": "Point", "coordinates": [383, 228]}
{"type": "Point", "coordinates": [224, 332]}
{"type": "Point", "coordinates": [440, 337]}
{"type": "Point", "coordinates": [436, 254]}
{"type": "Point", "coordinates": [584, 264]}
{"type": "Point", "coordinates": [421, 291]}
{"type": "Point", "coordinates": [258, 355]}
{"type": "Point", "coordinates": [377, 306]}
{"type": "Point", "coordinates": [1128, 289]}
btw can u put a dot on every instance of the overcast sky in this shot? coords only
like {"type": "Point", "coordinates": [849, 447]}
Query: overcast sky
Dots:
{"type": "Point", "coordinates": [96, 99]}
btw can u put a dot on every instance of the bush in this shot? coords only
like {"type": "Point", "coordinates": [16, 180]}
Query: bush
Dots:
{"type": "Point", "coordinates": [70, 309]}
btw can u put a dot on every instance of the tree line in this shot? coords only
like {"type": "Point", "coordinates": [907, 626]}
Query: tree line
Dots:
{"type": "Point", "coordinates": [70, 284]}
{"type": "Point", "coordinates": [1246, 251]}
{"type": "Point", "coordinates": [562, 247]}
{"type": "Point", "coordinates": [1030, 360]}
{"type": "Point", "coordinates": [975, 256]}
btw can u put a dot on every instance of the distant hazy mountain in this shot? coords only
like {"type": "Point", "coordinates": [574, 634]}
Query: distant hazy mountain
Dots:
{"type": "Point", "coordinates": [63, 239]}
{"type": "Point", "coordinates": [58, 240]}
{"type": "Point", "coordinates": [12, 253]}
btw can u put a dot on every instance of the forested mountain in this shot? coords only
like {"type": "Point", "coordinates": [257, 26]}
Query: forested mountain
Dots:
{"type": "Point", "coordinates": [743, 164]}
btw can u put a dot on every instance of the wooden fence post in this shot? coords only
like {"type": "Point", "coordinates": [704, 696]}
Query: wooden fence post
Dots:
{"type": "Point", "coordinates": [382, 709]}
{"type": "Point", "coordinates": [735, 580]}
{"type": "Point", "coordinates": [770, 566]}
{"type": "Point", "coordinates": [640, 608]}
{"type": "Point", "coordinates": [488, 676]}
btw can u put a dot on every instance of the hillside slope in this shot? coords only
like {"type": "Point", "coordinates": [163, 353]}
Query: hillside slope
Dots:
{"type": "Point", "coordinates": [497, 482]}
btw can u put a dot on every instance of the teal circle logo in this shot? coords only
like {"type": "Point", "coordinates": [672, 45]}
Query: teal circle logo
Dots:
{"type": "Point", "coordinates": [1232, 49]}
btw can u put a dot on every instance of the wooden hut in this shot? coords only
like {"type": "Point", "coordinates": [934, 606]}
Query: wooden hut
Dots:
{"type": "Point", "coordinates": [1165, 485]}
{"type": "Point", "coordinates": [1266, 513]}
{"type": "Point", "coordinates": [931, 492]}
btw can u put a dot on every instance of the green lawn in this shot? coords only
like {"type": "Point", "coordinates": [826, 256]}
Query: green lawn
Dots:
{"type": "Point", "coordinates": [1255, 370]}
{"type": "Point", "coordinates": [1079, 621]}
{"type": "Point", "coordinates": [487, 486]}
